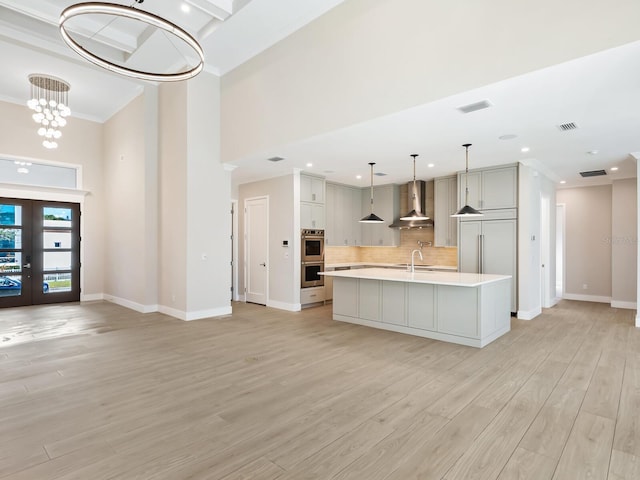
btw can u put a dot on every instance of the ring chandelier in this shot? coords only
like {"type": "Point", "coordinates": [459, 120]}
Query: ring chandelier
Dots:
{"type": "Point", "coordinates": [91, 8]}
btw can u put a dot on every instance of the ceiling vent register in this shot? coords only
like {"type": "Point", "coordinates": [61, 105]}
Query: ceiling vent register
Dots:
{"type": "Point", "coordinates": [593, 173]}
{"type": "Point", "coordinates": [565, 127]}
{"type": "Point", "coordinates": [473, 107]}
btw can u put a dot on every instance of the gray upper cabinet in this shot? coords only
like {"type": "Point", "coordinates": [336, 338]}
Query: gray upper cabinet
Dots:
{"type": "Point", "coordinates": [445, 199]}
{"type": "Point", "coordinates": [312, 208]}
{"type": "Point", "coordinates": [490, 189]}
{"type": "Point", "coordinates": [343, 206]}
{"type": "Point", "coordinates": [311, 189]}
{"type": "Point", "coordinates": [386, 204]}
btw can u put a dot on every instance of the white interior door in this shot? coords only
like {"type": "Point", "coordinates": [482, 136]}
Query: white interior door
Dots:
{"type": "Point", "coordinates": [257, 249]}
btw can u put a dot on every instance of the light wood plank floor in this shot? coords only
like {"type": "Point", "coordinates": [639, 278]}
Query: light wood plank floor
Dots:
{"type": "Point", "coordinates": [96, 391]}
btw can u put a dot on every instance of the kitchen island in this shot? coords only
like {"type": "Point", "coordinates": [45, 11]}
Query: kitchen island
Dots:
{"type": "Point", "coordinates": [465, 308]}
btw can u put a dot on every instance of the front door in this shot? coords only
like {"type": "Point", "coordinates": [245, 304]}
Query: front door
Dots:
{"type": "Point", "coordinates": [39, 252]}
{"type": "Point", "coordinates": [257, 249]}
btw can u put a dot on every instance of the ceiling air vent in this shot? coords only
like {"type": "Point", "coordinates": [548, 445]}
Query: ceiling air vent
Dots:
{"type": "Point", "coordinates": [380, 174]}
{"type": "Point", "coordinates": [472, 107]}
{"type": "Point", "coordinates": [567, 126]}
{"type": "Point", "coordinates": [275, 159]}
{"type": "Point", "coordinates": [593, 173]}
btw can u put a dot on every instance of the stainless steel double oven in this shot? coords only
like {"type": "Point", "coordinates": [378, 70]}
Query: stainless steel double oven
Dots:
{"type": "Point", "coordinates": [312, 258]}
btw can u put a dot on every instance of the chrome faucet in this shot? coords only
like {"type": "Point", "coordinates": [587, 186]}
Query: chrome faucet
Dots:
{"type": "Point", "coordinates": [413, 268]}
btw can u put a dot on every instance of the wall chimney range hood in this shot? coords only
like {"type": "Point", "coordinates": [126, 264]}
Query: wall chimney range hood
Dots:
{"type": "Point", "coordinates": [414, 202]}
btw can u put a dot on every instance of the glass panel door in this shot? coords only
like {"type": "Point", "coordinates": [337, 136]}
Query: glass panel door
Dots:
{"type": "Point", "coordinates": [15, 248]}
{"type": "Point", "coordinates": [39, 252]}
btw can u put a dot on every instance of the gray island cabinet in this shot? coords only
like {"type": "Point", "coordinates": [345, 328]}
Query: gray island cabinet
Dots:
{"type": "Point", "coordinates": [465, 308]}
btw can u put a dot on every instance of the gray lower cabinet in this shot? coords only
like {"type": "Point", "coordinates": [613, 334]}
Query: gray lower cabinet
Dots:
{"type": "Point", "coordinates": [345, 298]}
{"type": "Point", "coordinates": [420, 302]}
{"type": "Point", "coordinates": [393, 303]}
{"type": "Point", "coordinates": [473, 316]}
{"type": "Point", "coordinates": [455, 307]}
{"type": "Point", "coordinates": [369, 300]}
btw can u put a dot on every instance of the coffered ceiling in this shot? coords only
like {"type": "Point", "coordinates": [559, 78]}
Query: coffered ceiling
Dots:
{"type": "Point", "coordinates": [600, 93]}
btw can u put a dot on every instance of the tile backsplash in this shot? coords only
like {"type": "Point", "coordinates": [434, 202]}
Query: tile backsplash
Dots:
{"type": "Point", "coordinates": [401, 254]}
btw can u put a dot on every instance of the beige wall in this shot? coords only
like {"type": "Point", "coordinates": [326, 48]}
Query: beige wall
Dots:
{"type": "Point", "coordinates": [130, 176]}
{"type": "Point", "coordinates": [587, 241]}
{"type": "Point", "coordinates": [624, 244]}
{"type": "Point", "coordinates": [173, 195]}
{"type": "Point", "coordinates": [81, 144]}
{"type": "Point", "coordinates": [403, 53]}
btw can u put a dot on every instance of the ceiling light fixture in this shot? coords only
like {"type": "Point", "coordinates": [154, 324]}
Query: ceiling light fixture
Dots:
{"type": "Point", "coordinates": [22, 166]}
{"type": "Point", "coordinates": [563, 182]}
{"type": "Point", "coordinates": [49, 100]}
{"type": "Point", "coordinates": [372, 217]}
{"type": "Point", "coordinates": [431, 165]}
{"type": "Point", "coordinates": [99, 8]}
{"type": "Point", "coordinates": [467, 211]}
{"type": "Point", "coordinates": [614, 169]}
{"type": "Point", "coordinates": [414, 214]}
{"type": "Point", "coordinates": [524, 149]}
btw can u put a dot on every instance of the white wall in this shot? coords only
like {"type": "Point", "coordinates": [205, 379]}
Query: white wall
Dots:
{"type": "Point", "coordinates": [195, 202]}
{"type": "Point", "coordinates": [403, 53]}
{"type": "Point", "coordinates": [536, 242]}
{"type": "Point", "coordinates": [624, 241]}
{"type": "Point", "coordinates": [208, 203]}
{"type": "Point", "coordinates": [81, 144]}
{"type": "Point", "coordinates": [284, 275]}
{"type": "Point", "coordinates": [588, 242]}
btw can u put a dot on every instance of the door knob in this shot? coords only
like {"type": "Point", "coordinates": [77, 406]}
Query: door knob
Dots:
{"type": "Point", "coordinates": [263, 264]}
{"type": "Point", "coordinates": [27, 265]}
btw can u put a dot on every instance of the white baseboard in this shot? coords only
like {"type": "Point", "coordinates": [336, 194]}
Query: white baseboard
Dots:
{"type": "Point", "coordinates": [91, 297]}
{"type": "Point", "coordinates": [529, 314]}
{"type": "Point", "coordinates": [242, 298]}
{"type": "Point", "coordinates": [290, 307]}
{"type": "Point", "coordinates": [638, 320]}
{"type": "Point", "coordinates": [138, 307]}
{"type": "Point", "coordinates": [587, 298]}
{"type": "Point", "coordinates": [627, 305]}
{"type": "Point", "coordinates": [197, 315]}
{"type": "Point", "coordinates": [555, 301]}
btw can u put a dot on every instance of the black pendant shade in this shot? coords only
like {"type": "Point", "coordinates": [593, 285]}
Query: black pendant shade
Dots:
{"type": "Point", "coordinates": [467, 211]}
{"type": "Point", "coordinates": [372, 217]}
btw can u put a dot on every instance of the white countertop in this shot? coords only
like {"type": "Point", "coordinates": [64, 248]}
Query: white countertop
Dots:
{"type": "Point", "coordinates": [439, 278]}
{"type": "Point", "coordinates": [330, 266]}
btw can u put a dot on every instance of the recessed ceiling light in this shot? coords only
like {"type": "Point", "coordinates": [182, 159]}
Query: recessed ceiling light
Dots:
{"type": "Point", "coordinates": [431, 165]}
{"type": "Point", "coordinates": [524, 149]}
{"type": "Point", "coordinates": [509, 136]}
{"type": "Point", "coordinates": [309, 164]}
{"type": "Point", "coordinates": [185, 8]}
{"type": "Point", "coordinates": [358, 177]}
{"type": "Point", "coordinates": [563, 181]}
{"type": "Point", "coordinates": [593, 152]}
{"type": "Point", "coordinates": [614, 169]}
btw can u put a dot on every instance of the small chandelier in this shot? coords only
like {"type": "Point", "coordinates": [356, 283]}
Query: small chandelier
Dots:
{"type": "Point", "coordinates": [49, 100]}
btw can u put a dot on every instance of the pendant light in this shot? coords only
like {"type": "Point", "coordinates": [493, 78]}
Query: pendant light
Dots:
{"type": "Point", "coordinates": [467, 211]}
{"type": "Point", "coordinates": [414, 214]}
{"type": "Point", "coordinates": [372, 217]}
